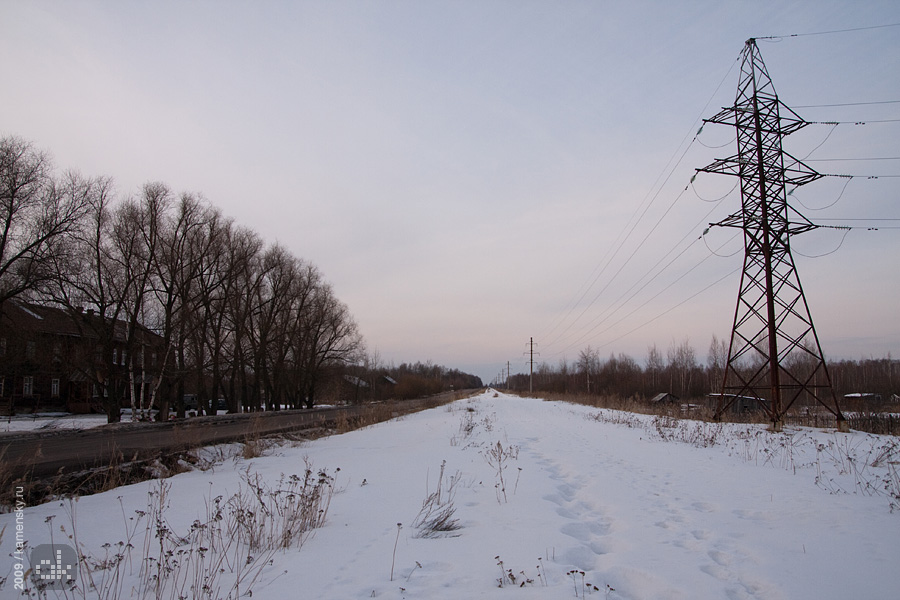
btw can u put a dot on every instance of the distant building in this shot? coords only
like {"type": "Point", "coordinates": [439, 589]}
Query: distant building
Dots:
{"type": "Point", "coordinates": [50, 358]}
{"type": "Point", "coordinates": [859, 397]}
{"type": "Point", "coordinates": [665, 398]}
{"type": "Point", "coordinates": [356, 381]}
{"type": "Point", "coordinates": [738, 404]}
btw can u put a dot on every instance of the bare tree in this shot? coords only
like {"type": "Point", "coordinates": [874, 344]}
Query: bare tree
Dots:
{"type": "Point", "coordinates": [619, 376]}
{"type": "Point", "coordinates": [208, 335]}
{"type": "Point", "coordinates": [292, 359]}
{"type": "Point", "coordinates": [716, 359]}
{"type": "Point", "coordinates": [169, 295]}
{"type": "Point", "coordinates": [588, 364]}
{"type": "Point", "coordinates": [37, 215]}
{"type": "Point", "coordinates": [655, 367]}
{"type": "Point", "coordinates": [332, 338]}
{"type": "Point", "coordinates": [682, 364]}
{"type": "Point", "coordinates": [175, 274]}
{"type": "Point", "coordinates": [93, 287]}
{"type": "Point", "coordinates": [136, 238]}
{"type": "Point", "coordinates": [274, 295]}
{"type": "Point", "coordinates": [244, 247]}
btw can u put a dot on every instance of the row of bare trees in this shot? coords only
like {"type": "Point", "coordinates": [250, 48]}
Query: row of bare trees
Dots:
{"type": "Point", "coordinates": [680, 372]}
{"type": "Point", "coordinates": [167, 285]}
{"type": "Point", "coordinates": [620, 375]}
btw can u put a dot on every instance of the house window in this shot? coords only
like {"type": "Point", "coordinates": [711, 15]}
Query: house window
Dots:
{"type": "Point", "coordinates": [28, 386]}
{"type": "Point", "coordinates": [115, 355]}
{"type": "Point", "coordinates": [122, 358]}
{"type": "Point", "coordinates": [29, 349]}
{"type": "Point", "coordinates": [54, 388]}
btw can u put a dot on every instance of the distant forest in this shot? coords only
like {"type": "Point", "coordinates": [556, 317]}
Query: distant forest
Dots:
{"type": "Point", "coordinates": [199, 305]}
{"type": "Point", "coordinates": [376, 382]}
{"type": "Point", "coordinates": [681, 372]}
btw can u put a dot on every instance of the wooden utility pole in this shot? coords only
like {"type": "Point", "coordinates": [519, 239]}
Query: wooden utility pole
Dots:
{"type": "Point", "coordinates": [531, 366]}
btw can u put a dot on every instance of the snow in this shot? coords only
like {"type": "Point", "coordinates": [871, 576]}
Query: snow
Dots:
{"type": "Point", "coordinates": [648, 508]}
{"type": "Point", "coordinates": [49, 422]}
{"type": "Point", "coordinates": [55, 421]}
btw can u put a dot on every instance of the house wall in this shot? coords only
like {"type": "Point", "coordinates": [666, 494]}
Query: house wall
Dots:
{"type": "Point", "coordinates": [46, 364]}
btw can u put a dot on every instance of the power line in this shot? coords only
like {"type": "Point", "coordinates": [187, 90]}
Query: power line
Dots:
{"type": "Point", "coordinates": [639, 213]}
{"type": "Point", "coordinates": [862, 122]}
{"type": "Point", "coordinates": [652, 298]}
{"type": "Point", "coordinates": [841, 243]}
{"type": "Point", "coordinates": [848, 30]}
{"type": "Point", "coordinates": [862, 220]}
{"type": "Point", "coordinates": [624, 264]}
{"type": "Point", "coordinates": [822, 143]}
{"type": "Point", "coordinates": [683, 302]}
{"type": "Point", "coordinates": [843, 159]}
{"type": "Point", "coordinates": [714, 200]}
{"type": "Point", "coordinates": [601, 319]}
{"type": "Point", "coordinates": [859, 176]}
{"type": "Point", "coordinates": [619, 303]}
{"type": "Point", "coordinates": [847, 104]}
{"type": "Point", "coordinates": [618, 245]}
{"type": "Point", "coordinates": [838, 199]}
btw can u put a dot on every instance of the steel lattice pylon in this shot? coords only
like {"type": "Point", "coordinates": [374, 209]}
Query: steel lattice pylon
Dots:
{"type": "Point", "coordinates": [774, 356]}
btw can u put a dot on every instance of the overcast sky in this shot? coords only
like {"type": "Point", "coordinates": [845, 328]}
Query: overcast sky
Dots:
{"type": "Point", "coordinates": [471, 174]}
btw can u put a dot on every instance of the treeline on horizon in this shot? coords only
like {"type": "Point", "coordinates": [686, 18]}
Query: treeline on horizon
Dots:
{"type": "Point", "coordinates": [196, 302]}
{"type": "Point", "coordinates": [681, 372]}
{"type": "Point", "coordinates": [374, 381]}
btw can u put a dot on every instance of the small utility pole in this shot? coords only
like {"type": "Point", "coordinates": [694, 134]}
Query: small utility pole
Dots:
{"type": "Point", "coordinates": [507, 376]}
{"type": "Point", "coordinates": [531, 366]}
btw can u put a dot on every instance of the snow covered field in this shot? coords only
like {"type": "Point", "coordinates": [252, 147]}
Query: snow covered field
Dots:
{"type": "Point", "coordinates": [647, 508]}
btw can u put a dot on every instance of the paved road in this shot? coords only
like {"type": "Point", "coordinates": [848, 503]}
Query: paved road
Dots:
{"type": "Point", "coordinates": [37, 455]}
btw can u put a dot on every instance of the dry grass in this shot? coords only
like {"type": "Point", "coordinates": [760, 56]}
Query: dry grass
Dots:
{"type": "Point", "coordinates": [885, 423]}
{"type": "Point", "coordinates": [632, 404]}
{"type": "Point", "coordinates": [253, 445]}
{"type": "Point", "coordinates": [220, 556]}
{"type": "Point", "coordinates": [435, 519]}
{"type": "Point", "coordinates": [116, 473]}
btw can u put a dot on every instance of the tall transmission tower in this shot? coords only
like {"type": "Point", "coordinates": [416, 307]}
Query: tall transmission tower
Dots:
{"type": "Point", "coordinates": [774, 355]}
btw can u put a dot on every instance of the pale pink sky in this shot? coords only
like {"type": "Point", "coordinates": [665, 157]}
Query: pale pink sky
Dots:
{"type": "Point", "coordinates": [462, 171]}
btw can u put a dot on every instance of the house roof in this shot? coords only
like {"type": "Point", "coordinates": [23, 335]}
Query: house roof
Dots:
{"type": "Point", "coordinates": [38, 318]}
{"type": "Point", "coordinates": [352, 379]}
{"type": "Point", "coordinates": [664, 397]}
